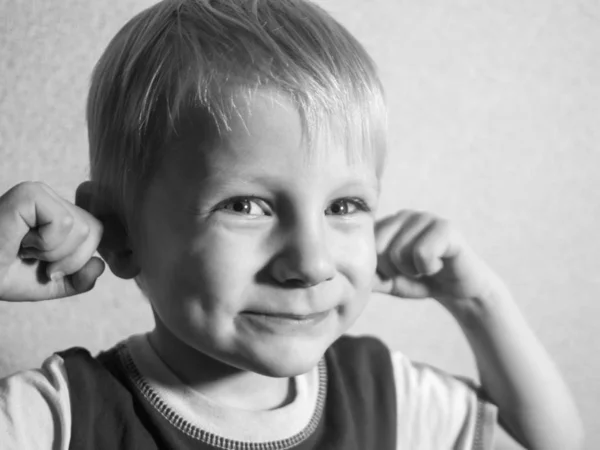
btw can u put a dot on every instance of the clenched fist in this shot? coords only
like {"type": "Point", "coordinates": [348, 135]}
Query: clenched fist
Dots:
{"type": "Point", "coordinates": [46, 245]}
{"type": "Point", "coordinates": [421, 255]}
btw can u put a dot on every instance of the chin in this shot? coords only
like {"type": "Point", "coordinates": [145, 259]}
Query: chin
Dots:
{"type": "Point", "coordinates": [286, 360]}
{"type": "Point", "coordinates": [288, 369]}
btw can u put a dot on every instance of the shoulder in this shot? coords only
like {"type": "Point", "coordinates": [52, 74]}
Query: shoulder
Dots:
{"type": "Point", "coordinates": [44, 397]}
{"type": "Point", "coordinates": [440, 410]}
{"type": "Point", "coordinates": [40, 397]}
{"type": "Point", "coordinates": [433, 408]}
{"type": "Point", "coordinates": [83, 368]}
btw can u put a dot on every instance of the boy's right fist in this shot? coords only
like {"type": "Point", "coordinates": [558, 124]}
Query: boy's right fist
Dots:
{"type": "Point", "coordinates": [46, 245]}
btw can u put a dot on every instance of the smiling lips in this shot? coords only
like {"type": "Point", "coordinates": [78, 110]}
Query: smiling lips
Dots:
{"type": "Point", "coordinates": [286, 323]}
{"type": "Point", "coordinates": [288, 316]}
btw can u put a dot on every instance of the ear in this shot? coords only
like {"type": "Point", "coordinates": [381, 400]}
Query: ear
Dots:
{"type": "Point", "coordinates": [115, 246]}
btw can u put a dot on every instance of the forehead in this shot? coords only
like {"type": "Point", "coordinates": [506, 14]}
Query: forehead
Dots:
{"type": "Point", "coordinates": [267, 133]}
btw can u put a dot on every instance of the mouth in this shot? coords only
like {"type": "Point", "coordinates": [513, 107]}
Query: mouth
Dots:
{"type": "Point", "coordinates": [285, 321]}
{"type": "Point", "coordinates": [288, 316]}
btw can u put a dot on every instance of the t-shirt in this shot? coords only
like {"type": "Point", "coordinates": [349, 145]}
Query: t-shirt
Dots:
{"type": "Point", "coordinates": [434, 410]}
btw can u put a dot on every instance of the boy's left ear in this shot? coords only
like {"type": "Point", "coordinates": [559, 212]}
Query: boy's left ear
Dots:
{"type": "Point", "coordinates": [115, 246]}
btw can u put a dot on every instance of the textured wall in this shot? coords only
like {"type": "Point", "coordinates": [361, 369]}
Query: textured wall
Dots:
{"type": "Point", "coordinates": [494, 106]}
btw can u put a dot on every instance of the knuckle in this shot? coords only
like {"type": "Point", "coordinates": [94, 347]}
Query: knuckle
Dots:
{"type": "Point", "coordinates": [33, 189]}
{"type": "Point", "coordinates": [443, 225]}
{"type": "Point", "coordinates": [423, 255]}
{"type": "Point", "coordinates": [421, 250]}
{"type": "Point", "coordinates": [94, 231]}
{"type": "Point", "coordinates": [404, 213]}
{"type": "Point", "coordinates": [39, 185]}
{"type": "Point", "coordinates": [66, 223]}
{"type": "Point", "coordinates": [25, 189]}
{"type": "Point", "coordinates": [83, 228]}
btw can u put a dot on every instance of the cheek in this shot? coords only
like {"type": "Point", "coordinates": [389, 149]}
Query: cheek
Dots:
{"type": "Point", "coordinates": [205, 263]}
{"type": "Point", "coordinates": [357, 258]}
{"type": "Point", "coordinates": [219, 268]}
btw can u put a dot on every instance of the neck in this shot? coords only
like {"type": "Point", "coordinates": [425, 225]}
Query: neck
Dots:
{"type": "Point", "coordinates": [220, 382]}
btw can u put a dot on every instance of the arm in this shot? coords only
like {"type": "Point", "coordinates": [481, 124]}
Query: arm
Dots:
{"type": "Point", "coordinates": [35, 408]}
{"type": "Point", "coordinates": [534, 403]}
{"type": "Point", "coordinates": [421, 256]}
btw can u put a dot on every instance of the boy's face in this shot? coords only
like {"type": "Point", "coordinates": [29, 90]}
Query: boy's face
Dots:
{"type": "Point", "coordinates": [259, 252]}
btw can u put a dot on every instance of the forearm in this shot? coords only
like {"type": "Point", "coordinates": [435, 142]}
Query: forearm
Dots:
{"type": "Point", "coordinates": [518, 375]}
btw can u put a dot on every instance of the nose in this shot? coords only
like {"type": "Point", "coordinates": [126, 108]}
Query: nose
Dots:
{"type": "Point", "coordinates": [305, 259]}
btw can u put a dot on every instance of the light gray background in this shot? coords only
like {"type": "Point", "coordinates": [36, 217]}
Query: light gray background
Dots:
{"type": "Point", "coordinates": [494, 113]}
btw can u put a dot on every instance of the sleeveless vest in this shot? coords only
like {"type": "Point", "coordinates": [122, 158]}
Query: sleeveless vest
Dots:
{"type": "Point", "coordinates": [110, 413]}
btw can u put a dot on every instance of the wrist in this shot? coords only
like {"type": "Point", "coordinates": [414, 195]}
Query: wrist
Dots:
{"type": "Point", "coordinates": [474, 312]}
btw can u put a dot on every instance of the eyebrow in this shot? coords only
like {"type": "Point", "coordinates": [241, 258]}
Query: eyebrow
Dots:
{"type": "Point", "coordinates": [371, 184]}
{"type": "Point", "coordinates": [348, 182]}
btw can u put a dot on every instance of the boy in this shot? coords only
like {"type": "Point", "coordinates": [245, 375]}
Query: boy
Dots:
{"type": "Point", "coordinates": [236, 151]}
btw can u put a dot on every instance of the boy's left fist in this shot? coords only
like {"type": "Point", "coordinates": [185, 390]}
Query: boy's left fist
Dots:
{"type": "Point", "coordinates": [420, 255]}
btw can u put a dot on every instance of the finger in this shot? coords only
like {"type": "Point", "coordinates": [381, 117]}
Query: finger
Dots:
{"type": "Point", "coordinates": [80, 255]}
{"type": "Point", "coordinates": [83, 226]}
{"type": "Point", "coordinates": [401, 286]}
{"type": "Point", "coordinates": [85, 279]}
{"type": "Point", "coordinates": [401, 249]}
{"type": "Point", "coordinates": [27, 209]}
{"type": "Point", "coordinates": [48, 219]}
{"type": "Point", "coordinates": [436, 242]}
{"type": "Point", "coordinates": [385, 230]}
{"type": "Point", "coordinates": [77, 235]}
{"type": "Point", "coordinates": [51, 192]}
{"type": "Point", "coordinates": [81, 281]}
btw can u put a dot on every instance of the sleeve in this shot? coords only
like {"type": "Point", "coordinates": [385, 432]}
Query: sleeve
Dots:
{"type": "Point", "coordinates": [35, 410]}
{"type": "Point", "coordinates": [438, 410]}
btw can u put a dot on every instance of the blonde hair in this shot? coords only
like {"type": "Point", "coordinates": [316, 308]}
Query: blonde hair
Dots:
{"type": "Point", "coordinates": [202, 54]}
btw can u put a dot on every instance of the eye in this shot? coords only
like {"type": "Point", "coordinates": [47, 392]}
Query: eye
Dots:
{"type": "Point", "coordinates": [346, 206]}
{"type": "Point", "coordinates": [245, 206]}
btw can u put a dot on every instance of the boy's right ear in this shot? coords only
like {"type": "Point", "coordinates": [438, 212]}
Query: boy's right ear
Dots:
{"type": "Point", "coordinates": [115, 246]}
